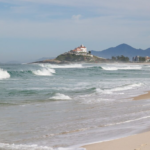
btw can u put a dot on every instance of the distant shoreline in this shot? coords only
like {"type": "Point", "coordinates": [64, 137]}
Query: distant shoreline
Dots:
{"type": "Point", "coordinates": [69, 62]}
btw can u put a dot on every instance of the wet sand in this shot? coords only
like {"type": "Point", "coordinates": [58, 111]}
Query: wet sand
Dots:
{"type": "Point", "coordinates": [134, 142]}
{"type": "Point", "coordinates": [142, 97]}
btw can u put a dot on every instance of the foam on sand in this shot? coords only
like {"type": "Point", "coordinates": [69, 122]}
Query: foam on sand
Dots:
{"type": "Point", "coordinates": [59, 96]}
{"type": "Point", "coordinates": [4, 74]}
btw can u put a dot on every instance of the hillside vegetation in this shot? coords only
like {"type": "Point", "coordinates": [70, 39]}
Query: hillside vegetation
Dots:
{"type": "Point", "coordinates": [79, 58]}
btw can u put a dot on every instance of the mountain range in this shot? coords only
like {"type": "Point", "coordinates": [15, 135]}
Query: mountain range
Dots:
{"type": "Point", "coordinates": [122, 49]}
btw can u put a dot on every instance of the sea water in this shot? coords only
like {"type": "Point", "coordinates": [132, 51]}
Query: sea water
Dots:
{"type": "Point", "coordinates": [62, 107]}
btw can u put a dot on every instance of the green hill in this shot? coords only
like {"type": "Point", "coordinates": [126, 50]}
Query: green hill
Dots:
{"type": "Point", "coordinates": [79, 58]}
{"type": "Point", "coordinates": [72, 58]}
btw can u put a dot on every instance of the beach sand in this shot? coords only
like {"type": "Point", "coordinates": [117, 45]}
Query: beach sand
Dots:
{"type": "Point", "coordinates": [134, 142]}
{"type": "Point", "coordinates": [142, 97]}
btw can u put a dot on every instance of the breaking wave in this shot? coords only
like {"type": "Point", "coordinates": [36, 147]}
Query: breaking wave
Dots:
{"type": "Point", "coordinates": [123, 88]}
{"type": "Point", "coordinates": [44, 72]}
{"type": "Point", "coordinates": [4, 146]}
{"type": "Point", "coordinates": [121, 67]}
{"type": "Point", "coordinates": [4, 74]}
{"type": "Point", "coordinates": [62, 66]}
{"type": "Point", "coordinates": [59, 96]}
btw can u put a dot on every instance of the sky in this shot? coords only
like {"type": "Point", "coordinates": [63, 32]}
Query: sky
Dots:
{"type": "Point", "coordinates": [31, 29]}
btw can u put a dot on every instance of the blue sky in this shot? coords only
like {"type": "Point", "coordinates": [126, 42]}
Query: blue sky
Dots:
{"type": "Point", "coordinates": [31, 29]}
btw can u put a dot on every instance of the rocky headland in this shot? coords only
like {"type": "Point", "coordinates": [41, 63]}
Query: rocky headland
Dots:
{"type": "Point", "coordinates": [72, 58]}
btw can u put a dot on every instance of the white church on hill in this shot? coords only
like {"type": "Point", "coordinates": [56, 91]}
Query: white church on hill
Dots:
{"type": "Point", "coordinates": [80, 49]}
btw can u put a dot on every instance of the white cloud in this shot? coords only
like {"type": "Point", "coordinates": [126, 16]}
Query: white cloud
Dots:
{"type": "Point", "coordinates": [94, 28]}
{"type": "Point", "coordinates": [124, 20]}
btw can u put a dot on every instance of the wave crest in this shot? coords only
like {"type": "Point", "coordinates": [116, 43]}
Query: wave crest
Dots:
{"type": "Point", "coordinates": [61, 66]}
{"type": "Point", "coordinates": [121, 67]}
{"type": "Point", "coordinates": [44, 72]}
{"type": "Point", "coordinates": [4, 74]}
{"type": "Point", "coordinates": [123, 88]}
{"type": "Point", "coordinates": [59, 96]}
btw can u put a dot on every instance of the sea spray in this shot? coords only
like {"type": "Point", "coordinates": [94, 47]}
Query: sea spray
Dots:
{"type": "Point", "coordinates": [4, 74]}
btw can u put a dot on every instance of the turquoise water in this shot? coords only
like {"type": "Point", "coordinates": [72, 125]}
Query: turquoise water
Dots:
{"type": "Point", "coordinates": [45, 106]}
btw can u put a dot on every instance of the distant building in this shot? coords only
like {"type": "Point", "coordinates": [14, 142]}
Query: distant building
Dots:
{"type": "Point", "coordinates": [80, 49]}
{"type": "Point", "coordinates": [135, 59]}
{"type": "Point", "coordinates": [147, 58]}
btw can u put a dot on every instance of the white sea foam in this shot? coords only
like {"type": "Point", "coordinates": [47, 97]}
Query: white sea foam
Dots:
{"type": "Point", "coordinates": [44, 72]}
{"type": "Point", "coordinates": [128, 121]}
{"type": "Point", "coordinates": [123, 88]}
{"type": "Point", "coordinates": [23, 147]}
{"type": "Point", "coordinates": [127, 87]}
{"type": "Point", "coordinates": [121, 67]}
{"type": "Point", "coordinates": [60, 97]}
{"type": "Point", "coordinates": [4, 146]}
{"type": "Point", "coordinates": [4, 74]}
{"type": "Point", "coordinates": [97, 100]}
{"type": "Point", "coordinates": [110, 68]}
{"type": "Point", "coordinates": [62, 66]}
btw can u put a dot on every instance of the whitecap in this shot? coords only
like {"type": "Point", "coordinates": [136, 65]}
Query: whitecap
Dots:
{"type": "Point", "coordinates": [62, 66]}
{"type": "Point", "coordinates": [59, 96]}
{"type": "Point", "coordinates": [4, 74]}
{"type": "Point", "coordinates": [121, 67]}
{"type": "Point", "coordinates": [44, 72]}
{"type": "Point", "coordinates": [109, 68]}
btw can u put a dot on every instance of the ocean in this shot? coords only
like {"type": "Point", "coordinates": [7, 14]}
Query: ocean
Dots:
{"type": "Point", "coordinates": [62, 107]}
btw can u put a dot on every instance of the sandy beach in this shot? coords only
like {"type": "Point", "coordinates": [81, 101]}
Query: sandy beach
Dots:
{"type": "Point", "coordinates": [134, 142]}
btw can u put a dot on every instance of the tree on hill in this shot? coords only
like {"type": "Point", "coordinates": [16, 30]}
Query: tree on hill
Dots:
{"type": "Point", "coordinates": [120, 58]}
{"type": "Point", "coordinates": [142, 59]}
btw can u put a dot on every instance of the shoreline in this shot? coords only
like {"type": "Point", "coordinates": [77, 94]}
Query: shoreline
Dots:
{"type": "Point", "coordinates": [143, 96]}
{"type": "Point", "coordinates": [134, 142]}
{"type": "Point", "coordinates": [139, 141]}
